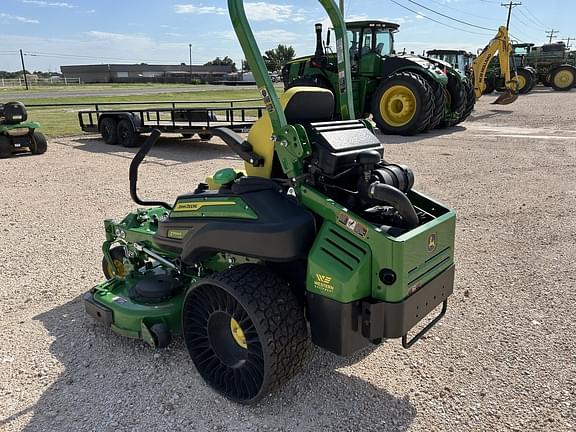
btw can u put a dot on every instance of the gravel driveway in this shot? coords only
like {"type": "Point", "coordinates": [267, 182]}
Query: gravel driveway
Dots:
{"type": "Point", "coordinates": [504, 358]}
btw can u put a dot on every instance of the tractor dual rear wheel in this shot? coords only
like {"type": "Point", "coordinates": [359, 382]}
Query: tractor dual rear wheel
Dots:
{"type": "Point", "coordinates": [403, 104]}
{"type": "Point", "coordinates": [563, 78]}
{"type": "Point", "coordinates": [440, 101]}
{"type": "Point", "coordinates": [456, 102]}
{"type": "Point", "coordinates": [245, 331]}
{"type": "Point", "coordinates": [470, 101]}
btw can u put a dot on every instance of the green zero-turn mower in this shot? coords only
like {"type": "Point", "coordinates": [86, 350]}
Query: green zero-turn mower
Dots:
{"type": "Point", "coordinates": [319, 238]}
{"type": "Point", "coordinates": [17, 134]}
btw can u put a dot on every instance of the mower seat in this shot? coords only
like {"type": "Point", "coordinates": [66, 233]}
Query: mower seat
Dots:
{"type": "Point", "coordinates": [302, 105]}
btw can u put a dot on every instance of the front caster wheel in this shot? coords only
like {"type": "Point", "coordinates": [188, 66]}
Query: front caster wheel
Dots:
{"type": "Point", "coordinates": [161, 335]}
{"type": "Point", "coordinates": [245, 331]}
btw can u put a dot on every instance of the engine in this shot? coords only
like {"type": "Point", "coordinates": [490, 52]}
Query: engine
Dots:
{"type": "Point", "coordinates": [347, 166]}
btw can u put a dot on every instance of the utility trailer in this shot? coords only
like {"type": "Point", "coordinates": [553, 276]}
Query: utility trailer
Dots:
{"type": "Point", "coordinates": [122, 126]}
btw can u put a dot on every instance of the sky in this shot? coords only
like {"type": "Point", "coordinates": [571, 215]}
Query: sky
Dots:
{"type": "Point", "coordinates": [52, 33]}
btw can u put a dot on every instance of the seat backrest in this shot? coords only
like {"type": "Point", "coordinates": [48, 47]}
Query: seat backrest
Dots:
{"type": "Point", "coordinates": [301, 105]}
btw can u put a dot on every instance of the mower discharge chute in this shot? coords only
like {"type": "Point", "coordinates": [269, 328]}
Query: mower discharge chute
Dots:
{"type": "Point", "coordinates": [319, 232]}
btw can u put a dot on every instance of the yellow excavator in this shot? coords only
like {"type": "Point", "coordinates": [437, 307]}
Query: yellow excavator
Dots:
{"type": "Point", "coordinates": [501, 45]}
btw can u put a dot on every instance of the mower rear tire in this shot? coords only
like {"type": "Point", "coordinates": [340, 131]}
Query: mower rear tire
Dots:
{"type": "Point", "coordinates": [187, 135]}
{"type": "Point", "coordinates": [563, 78]}
{"type": "Point", "coordinates": [108, 130]}
{"type": "Point", "coordinates": [245, 331]}
{"type": "Point", "coordinates": [126, 134]}
{"type": "Point", "coordinates": [39, 143]}
{"type": "Point", "coordinates": [5, 147]}
{"type": "Point", "coordinates": [470, 101]}
{"type": "Point", "coordinates": [439, 104]}
{"type": "Point", "coordinates": [403, 104]}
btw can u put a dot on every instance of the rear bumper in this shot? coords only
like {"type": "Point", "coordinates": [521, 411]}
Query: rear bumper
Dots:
{"type": "Point", "coordinates": [344, 328]}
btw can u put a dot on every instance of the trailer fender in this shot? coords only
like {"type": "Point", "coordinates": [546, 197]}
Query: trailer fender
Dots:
{"type": "Point", "coordinates": [134, 120]}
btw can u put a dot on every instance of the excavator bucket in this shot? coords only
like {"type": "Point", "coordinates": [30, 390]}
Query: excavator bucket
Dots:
{"type": "Point", "coordinates": [506, 98]}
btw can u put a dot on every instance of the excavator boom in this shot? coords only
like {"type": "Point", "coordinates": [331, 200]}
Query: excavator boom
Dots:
{"type": "Point", "coordinates": [501, 45]}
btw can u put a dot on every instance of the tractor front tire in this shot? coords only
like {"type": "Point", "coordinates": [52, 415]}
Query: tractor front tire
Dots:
{"type": "Point", "coordinates": [39, 143]}
{"type": "Point", "coordinates": [245, 331]}
{"type": "Point", "coordinates": [5, 147]}
{"type": "Point", "coordinates": [563, 78]}
{"type": "Point", "coordinates": [108, 130]}
{"type": "Point", "coordinates": [403, 104]}
{"type": "Point", "coordinates": [525, 80]}
{"type": "Point", "coordinates": [126, 134]}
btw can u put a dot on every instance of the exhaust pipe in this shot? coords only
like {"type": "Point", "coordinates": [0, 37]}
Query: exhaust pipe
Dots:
{"type": "Point", "coordinates": [389, 194]}
{"type": "Point", "coordinates": [319, 46]}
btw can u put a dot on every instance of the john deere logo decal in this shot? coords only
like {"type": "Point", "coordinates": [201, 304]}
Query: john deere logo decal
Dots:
{"type": "Point", "coordinates": [431, 243]}
{"type": "Point", "coordinates": [323, 282]}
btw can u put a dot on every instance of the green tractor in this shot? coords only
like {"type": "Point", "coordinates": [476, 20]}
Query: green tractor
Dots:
{"type": "Point", "coordinates": [524, 75]}
{"type": "Point", "coordinates": [17, 134]}
{"type": "Point", "coordinates": [554, 64]}
{"type": "Point", "coordinates": [406, 94]}
{"type": "Point", "coordinates": [319, 238]}
{"type": "Point", "coordinates": [458, 59]}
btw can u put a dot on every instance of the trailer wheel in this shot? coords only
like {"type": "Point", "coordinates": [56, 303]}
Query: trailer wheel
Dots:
{"type": "Point", "coordinates": [563, 78]}
{"type": "Point", "coordinates": [5, 147]}
{"type": "Point", "coordinates": [39, 143]}
{"type": "Point", "coordinates": [245, 331]}
{"type": "Point", "coordinates": [126, 133]}
{"type": "Point", "coordinates": [108, 131]}
{"type": "Point", "coordinates": [205, 136]}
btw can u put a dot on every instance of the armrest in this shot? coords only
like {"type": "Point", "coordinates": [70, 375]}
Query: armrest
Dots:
{"type": "Point", "coordinates": [240, 146]}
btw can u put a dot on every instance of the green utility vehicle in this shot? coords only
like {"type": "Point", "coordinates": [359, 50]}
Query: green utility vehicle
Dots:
{"type": "Point", "coordinates": [318, 238]}
{"type": "Point", "coordinates": [17, 134]}
{"type": "Point", "coordinates": [405, 93]}
{"type": "Point", "coordinates": [554, 64]}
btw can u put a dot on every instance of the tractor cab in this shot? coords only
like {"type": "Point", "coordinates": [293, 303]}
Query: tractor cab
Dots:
{"type": "Point", "coordinates": [458, 59]}
{"type": "Point", "coordinates": [369, 41]}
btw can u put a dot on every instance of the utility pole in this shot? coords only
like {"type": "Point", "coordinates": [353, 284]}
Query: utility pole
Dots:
{"type": "Point", "coordinates": [190, 47]}
{"type": "Point", "coordinates": [551, 33]}
{"type": "Point", "coordinates": [568, 39]}
{"type": "Point", "coordinates": [342, 7]}
{"type": "Point", "coordinates": [24, 69]}
{"type": "Point", "coordinates": [509, 5]}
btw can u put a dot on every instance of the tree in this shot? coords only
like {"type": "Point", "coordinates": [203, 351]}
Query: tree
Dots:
{"type": "Point", "coordinates": [278, 57]}
{"type": "Point", "coordinates": [245, 66]}
{"type": "Point", "coordinates": [226, 61]}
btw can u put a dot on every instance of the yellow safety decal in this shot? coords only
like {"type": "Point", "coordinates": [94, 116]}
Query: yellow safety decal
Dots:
{"type": "Point", "coordinates": [197, 205]}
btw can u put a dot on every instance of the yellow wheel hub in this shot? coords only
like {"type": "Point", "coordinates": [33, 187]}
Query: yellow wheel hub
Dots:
{"type": "Point", "coordinates": [521, 82]}
{"type": "Point", "coordinates": [564, 79]}
{"type": "Point", "coordinates": [120, 270]}
{"type": "Point", "coordinates": [398, 105]}
{"type": "Point", "coordinates": [238, 333]}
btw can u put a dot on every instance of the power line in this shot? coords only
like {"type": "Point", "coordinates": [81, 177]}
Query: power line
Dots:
{"type": "Point", "coordinates": [461, 11]}
{"type": "Point", "coordinates": [450, 18]}
{"type": "Point", "coordinates": [532, 21]}
{"type": "Point", "coordinates": [536, 18]}
{"type": "Point", "coordinates": [436, 21]}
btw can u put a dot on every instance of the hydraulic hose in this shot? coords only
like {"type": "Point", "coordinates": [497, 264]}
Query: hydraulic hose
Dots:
{"type": "Point", "coordinates": [135, 164]}
{"type": "Point", "coordinates": [394, 197]}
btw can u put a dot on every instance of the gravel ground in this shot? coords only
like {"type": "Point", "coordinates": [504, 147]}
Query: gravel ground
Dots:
{"type": "Point", "coordinates": [504, 358]}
